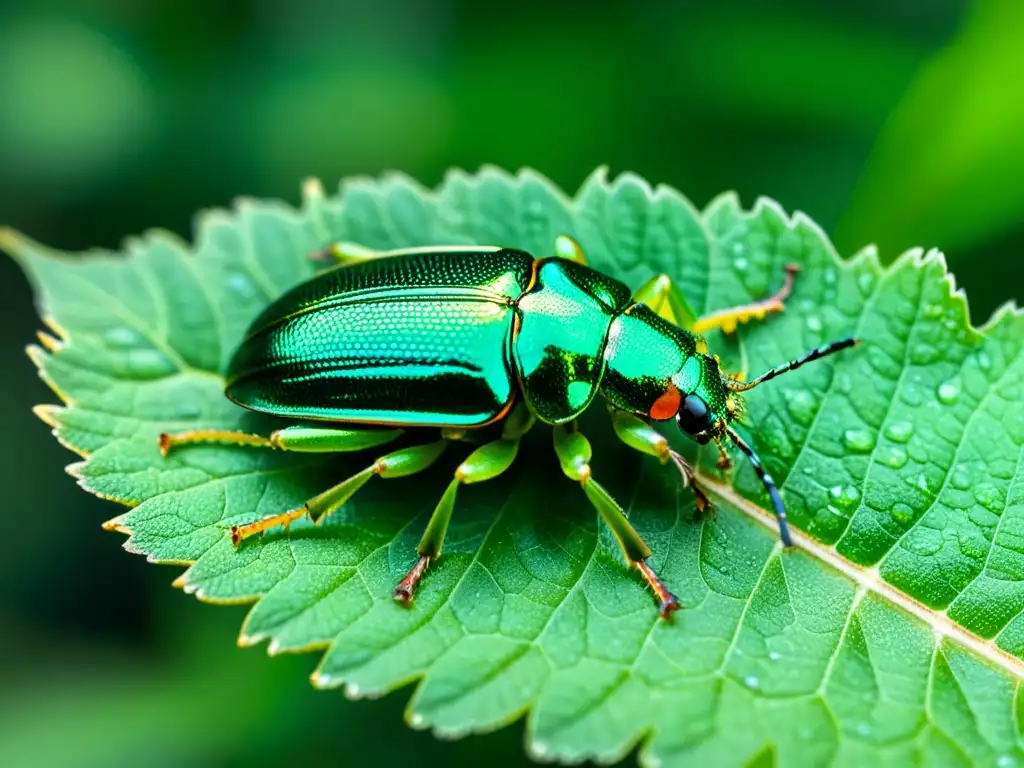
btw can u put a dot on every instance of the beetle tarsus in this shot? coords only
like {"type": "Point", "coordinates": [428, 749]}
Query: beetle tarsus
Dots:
{"type": "Point", "coordinates": [667, 602]}
{"type": "Point", "coordinates": [406, 589]}
{"type": "Point", "coordinates": [704, 505]}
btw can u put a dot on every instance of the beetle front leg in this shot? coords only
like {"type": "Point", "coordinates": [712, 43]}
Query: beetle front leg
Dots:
{"type": "Point", "coordinates": [574, 454]}
{"type": "Point", "coordinates": [400, 463]}
{"type": "Point", "coordinates": [665, 299]}
{"type": "Point", "coordinates": [485, 463]}
{"type": "Point", "coordinates": [641, 436]}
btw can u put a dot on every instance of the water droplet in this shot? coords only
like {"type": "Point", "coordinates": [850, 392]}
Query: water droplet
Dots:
{"type": "Point", "coordinates": [738, 247]}
{"type": "Point", "coordinates": [866, 282]}
{"type": "Point", "coordinates": [814, 323]}
{"type": "Point", "coordinates": [830, 276]}
{"type": "Point", "coordinates": [121, 336]}
{"type": "Point", "coordinates": [894, 457]}
{"type": "Point", "coordinates": [185, 410]}
{"type": "Point", "coordinates": [903, 513]}
{"type": "Point", "coordinates": [540, 749]}
{"type": "Point", "coordinates": [949, 391]}
{"type": "Point", "coordinates": [899, 431]}
{"type": "Point", "coordinates": [984, 361]}
{"type": "Point", "coordinates": [933, 310]}
{"type": "Point", "coordinates": [241, 284]}
{"type": "Point", "coordinates": [723, 569]}
{"type": "Point", "coordinates": [800, 405]}
{"type": "Point", "coordinates": [859, 440]}
{"type": "Point", "coordinates": [846, 497]}
{"type": "Point", "coordinates": [147, 363]}
{"type": "Point", "coordinates": [922, 483]}
{"type": "Point", "coordinates": [739, 264]}
{"type": "Point", "coordinates": [751, 682]}
{"type": "Point", "coordinates": [988, 496]}
{"type": "Point", "coordinates": [960, 478]}
{"type": "Point", "coordinates": [864, 729]}
{"type": "Point", "coordinates": [912, 394]}
{"type": "Point", "coordinates": [1006, 761]}
{"type": "Point", "coordinates": [416, 720]}
{"type": "Point", "coordinates": [774, 655]}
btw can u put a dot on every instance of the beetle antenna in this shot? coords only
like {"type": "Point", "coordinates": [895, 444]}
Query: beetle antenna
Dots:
{"type": "Point", "coordinates": [735, 385]}
{"type": "Point", "coordinates": [769, 485]}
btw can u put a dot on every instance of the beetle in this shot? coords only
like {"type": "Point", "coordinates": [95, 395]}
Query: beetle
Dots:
{"type": "Point", "coordinates": [462, 337]}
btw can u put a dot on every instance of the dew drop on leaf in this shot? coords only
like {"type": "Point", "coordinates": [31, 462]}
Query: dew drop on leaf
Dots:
{"type": "Point", "coordinates": [751, 682]}
{"type": "Point", "coordinates": [988, 496]}
{"type": "Point", "coordinates": [902, 513]}
{"type": "Point", "coordinates": [241, 284]}
{"type": "Point", "coordinates": [859, 440]}
{"type": "Point", "coordinates": [961, 478]}
{"type": "Point", "coordinates": [121, 336]}
{"type": "Point", "coordinates": [814, 323]}
{"type": "Point", "coordinates": [866, 282]}
{"type": "Point", "coordinates": [949, 391]}
{"type": "Point", "coordinates": [846, 497]}
{"type": "Point", "coordinates": [801, 406]}
{"type": "Point", "coordinates": [740, 264]}
{"type": "Point", "coordinates": [894, 457]}
{"type": "Point", "coordinates": [148, 363]}
{"type": "Point", "coordinates": [774, 655]}
{"type": "Point", "coordinates": [899, 431]}
{"type": "Point", "coordinates": [984, 361]}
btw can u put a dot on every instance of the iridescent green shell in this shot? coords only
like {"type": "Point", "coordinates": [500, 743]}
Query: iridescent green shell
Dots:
{"type": "Point", "coordinates": [412, 340]}
{"type": "Point", "coordinates": [450, 338]}
{"type": "Point", "coordinates": [559, 350]}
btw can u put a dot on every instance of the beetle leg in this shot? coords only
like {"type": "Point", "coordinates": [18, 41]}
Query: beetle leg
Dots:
{"type": "Point", "coordinates": [665, 299]}
{"type": "Point", "coordinates": [573, 450]}
{"type": "Point", "coordinates": [641, 436]}
{"type": "Point", "coordinates": [406, 461]}
{"type": "Point", "coordinates": [728, 319]}
{"type": "Point", "coordinates": [485, 463]}
{"type": "Point", "coordinates": [302, 438]}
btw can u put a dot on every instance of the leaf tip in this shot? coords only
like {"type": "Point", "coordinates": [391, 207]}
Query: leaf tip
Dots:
{"type": "Point", "coordinates": [114, 523]}
{"type": "Point", "coordinates": [320, 680]}
{"type": "Point", "coordinates": [45, 413]}
{"type": "Point", "coordinates": [312, 189]}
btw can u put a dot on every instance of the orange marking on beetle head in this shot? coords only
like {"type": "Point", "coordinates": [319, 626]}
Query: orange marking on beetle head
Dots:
{"type": "Point", "coordinates": [666, 406]}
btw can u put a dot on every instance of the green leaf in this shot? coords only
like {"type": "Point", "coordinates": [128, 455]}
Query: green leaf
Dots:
{"type": "Point", "coordinates": [892, 633]}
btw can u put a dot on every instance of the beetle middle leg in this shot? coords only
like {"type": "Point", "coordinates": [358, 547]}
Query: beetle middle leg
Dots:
{"type": "Point", "coordinates": [573, 450]}
{"type": "Point", "coordinates": [400, 463]}
{"type": "Point", "coordinates": [641, 436]}
{"type": "Point", "coordinates": [667, 300]}
{"type": "Point", "coordinates": [485, 463]}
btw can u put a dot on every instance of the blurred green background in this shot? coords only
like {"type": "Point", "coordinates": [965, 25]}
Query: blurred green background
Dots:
{"type": "Point", "coordinates": [899, 122]}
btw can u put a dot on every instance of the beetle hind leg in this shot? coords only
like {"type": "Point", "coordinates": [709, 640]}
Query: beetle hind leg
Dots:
{"type": "Point", "coordinates": [573, 450]}
{"type": "Point", "coordinates": [485, 463]}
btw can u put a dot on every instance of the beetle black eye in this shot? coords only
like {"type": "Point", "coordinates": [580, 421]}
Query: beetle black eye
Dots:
{"type": "Point", "coordinates": [693, 416]}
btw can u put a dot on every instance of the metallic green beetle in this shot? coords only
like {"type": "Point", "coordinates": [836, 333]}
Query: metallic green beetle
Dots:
{"type": "Point", "coordinates": [462, 337]}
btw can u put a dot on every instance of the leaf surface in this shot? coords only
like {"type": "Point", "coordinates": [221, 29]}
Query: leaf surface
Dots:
{"type": "Point", "coordinates": [892, 633]}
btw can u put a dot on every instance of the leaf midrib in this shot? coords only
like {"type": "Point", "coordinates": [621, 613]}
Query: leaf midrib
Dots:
{"type": "Point", "coordinates": [869, 580]}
